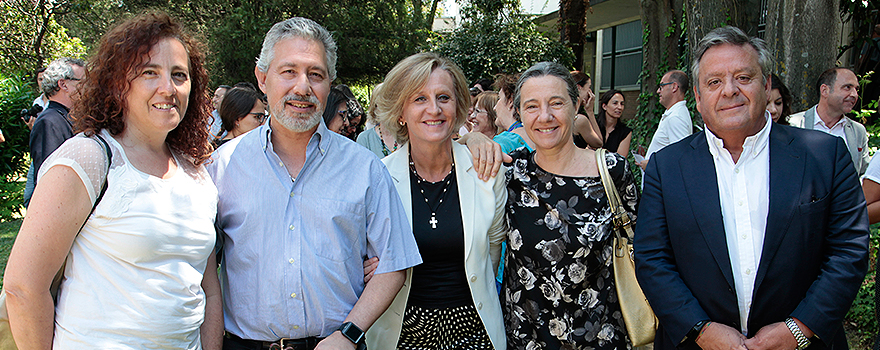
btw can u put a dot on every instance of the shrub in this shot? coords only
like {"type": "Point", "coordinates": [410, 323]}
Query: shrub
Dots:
{"type": "Point", "coordinates": [15, 95]}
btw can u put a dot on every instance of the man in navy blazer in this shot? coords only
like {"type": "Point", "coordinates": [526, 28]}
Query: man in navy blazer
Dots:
{"type": "Point", "coordinates": [751, 235]}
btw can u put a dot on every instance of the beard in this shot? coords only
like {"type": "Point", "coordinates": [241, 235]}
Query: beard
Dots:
{"type": "Point", "coordinates": [298, 122]}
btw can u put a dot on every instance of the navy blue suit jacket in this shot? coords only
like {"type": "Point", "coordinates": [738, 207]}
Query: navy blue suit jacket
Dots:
{"type": "Point", "coordinates": [815, 247]}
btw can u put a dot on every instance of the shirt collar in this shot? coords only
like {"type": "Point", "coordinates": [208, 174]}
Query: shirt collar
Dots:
{"type": "Point", "coordinates": [821, 123]}
{"type": "Point", "coordinates": [752, 146]}
{"type": "Point", "coordinates": [674, 106]}
{"type": "Point", "coordinates": [320, 136]}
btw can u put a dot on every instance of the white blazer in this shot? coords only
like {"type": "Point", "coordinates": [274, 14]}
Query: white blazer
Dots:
{"type": "Point", "coordinates": [485, 227]}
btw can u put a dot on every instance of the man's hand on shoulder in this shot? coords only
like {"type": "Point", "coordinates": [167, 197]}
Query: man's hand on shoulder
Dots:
{"type": "Point", "coordinates": [717, 336]}
{"type": "Point", "coordinates": [486, 153]}
{"type": "Point", "coordinates": [773, 336]}
{"type": "Point", "coordinates": [336, 341]}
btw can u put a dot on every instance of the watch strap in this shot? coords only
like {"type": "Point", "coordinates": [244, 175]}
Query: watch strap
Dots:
{"type": "Point", "coordinates": [802, 341]}
{"type": "Point", "coordinates": [352, 332]}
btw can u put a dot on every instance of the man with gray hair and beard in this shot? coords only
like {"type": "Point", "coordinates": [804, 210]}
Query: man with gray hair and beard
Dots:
{"type": "Point", "coordinates": [301, 208]}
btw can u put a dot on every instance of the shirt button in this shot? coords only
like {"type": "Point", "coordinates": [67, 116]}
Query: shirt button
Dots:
{"type": "Point", "coordinates": [748, 271]}
{"type": "Point", "coordinates": [291, 193]}
{"type": "Point", "coordinates": [740, 204]}
{"type": "Point", "coordinates": [293, 295]}
{"type": "Point", "coordinates": [479, 306]}
{"type": "Point", "coordinates": [736, 170]}
{"type": "Point", "coordinates": [743, 237]}
{"type": "Point", "coordinates": [473, 278]}
{"type": "Point", "coordinates": [280, 163]}
{"type": "Point", "coordinates": [291, 227]}
{"type": "Point", "coordinates": [295, 327]}
{"type": "Point", "coordinates": [290, 261]}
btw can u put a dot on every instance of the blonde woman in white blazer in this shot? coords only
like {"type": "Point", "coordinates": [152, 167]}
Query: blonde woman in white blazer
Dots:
{"type": "Point", "coordinates": [450, 301]}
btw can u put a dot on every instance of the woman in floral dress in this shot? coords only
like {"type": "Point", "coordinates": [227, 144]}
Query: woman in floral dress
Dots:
{"type": "Point", "coordinates": [558, 288]}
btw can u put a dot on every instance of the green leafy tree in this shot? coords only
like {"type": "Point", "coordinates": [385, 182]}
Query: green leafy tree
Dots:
{"type": "Point", "coordinates": [32, 36]}
{"type": "Point", "coordinates": [496, 38]}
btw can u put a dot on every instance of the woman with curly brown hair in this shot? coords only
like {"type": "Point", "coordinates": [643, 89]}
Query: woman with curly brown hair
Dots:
{"type": "Point", "coordinates": [134, 273]}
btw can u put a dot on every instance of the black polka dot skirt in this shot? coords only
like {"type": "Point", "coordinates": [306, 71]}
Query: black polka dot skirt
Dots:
{"type": "Point", "coordinates": [456, 328]}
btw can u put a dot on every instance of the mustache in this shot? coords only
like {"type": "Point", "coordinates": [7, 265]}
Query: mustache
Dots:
{"type": "Point", "coordinates": [293, 97]}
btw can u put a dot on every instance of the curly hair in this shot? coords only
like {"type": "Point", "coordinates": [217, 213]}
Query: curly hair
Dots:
{"type": "Point", "coordinates": [123, 51]}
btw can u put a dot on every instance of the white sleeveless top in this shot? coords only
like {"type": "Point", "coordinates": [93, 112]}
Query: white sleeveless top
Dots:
{"type": "Point", "coordinates": [134, 272]}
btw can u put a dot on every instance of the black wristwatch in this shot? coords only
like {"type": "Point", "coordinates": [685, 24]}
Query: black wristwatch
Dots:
{"type": "Point", "coordinates": [695, 332]}
{"type": "Point", "coordinates": [352, 332]}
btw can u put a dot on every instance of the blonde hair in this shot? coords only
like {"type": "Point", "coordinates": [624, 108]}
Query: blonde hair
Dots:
{"type": "Point", "coordinates": [405, 79]}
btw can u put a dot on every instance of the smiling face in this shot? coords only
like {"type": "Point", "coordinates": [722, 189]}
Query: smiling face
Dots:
{"type": "Point", "coordinates": [429, 114]}
{"type": "Point", "coordinates": [843, 96]}
{"type": "Point", "coordinates": [547, 111]}
{"type": "Point", "coordinates": [479, 118]}
{"type": "Point", "coordinates": [614, 107]}
{"type": "Point", "coordinates": [296, 83]}
{"type": "Point", "coordinates": [157, 98]}
{"type": "Point", "coordinates": [731, 94]}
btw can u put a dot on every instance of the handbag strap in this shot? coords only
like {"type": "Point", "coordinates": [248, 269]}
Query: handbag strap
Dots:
{"type": "Point", "coordinates": [621, 219]}
{"type": "Point", "coordinates": [106, 147]}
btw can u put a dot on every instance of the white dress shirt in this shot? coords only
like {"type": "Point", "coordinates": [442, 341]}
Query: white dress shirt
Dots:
{"type": "Point", "coordinates": [836, 129]}
{"type": "Point", "coordinates": [675, 124]}
{"type": "Point", "coordinates": [743, 189]}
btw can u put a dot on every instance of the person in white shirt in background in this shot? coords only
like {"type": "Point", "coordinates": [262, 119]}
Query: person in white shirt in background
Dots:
{"type": "Point", "coordinates": [675, 124]}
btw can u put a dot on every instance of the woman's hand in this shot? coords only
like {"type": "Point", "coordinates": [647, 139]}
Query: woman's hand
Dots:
{"type": "Point", "coordinates": [370, 266]}
{"type": "Point", "coordinates": [487, 154]}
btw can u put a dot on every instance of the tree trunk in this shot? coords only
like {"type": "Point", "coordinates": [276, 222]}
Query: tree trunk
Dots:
{"type": "Point", "coordinates": [661, 22]}
{"type": "Point", "coordinates": [572, 27]}
{"type": "Point", "coordinates": [801, 58]}
{"type": "Point", "coordinates": [703, 16]}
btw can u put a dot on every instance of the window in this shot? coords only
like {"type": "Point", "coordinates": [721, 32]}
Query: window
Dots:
{"type": "Point", "coordinates": [621, 56]}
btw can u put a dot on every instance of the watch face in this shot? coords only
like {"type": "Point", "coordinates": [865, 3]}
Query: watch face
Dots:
{"type": "Point", "coordinates": [350, 331]}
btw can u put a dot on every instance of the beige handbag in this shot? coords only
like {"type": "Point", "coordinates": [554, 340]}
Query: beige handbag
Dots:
{"type": "Point", "coordinates": [6, 342]}
{"type": "Point", "coordinates": [641, 323]}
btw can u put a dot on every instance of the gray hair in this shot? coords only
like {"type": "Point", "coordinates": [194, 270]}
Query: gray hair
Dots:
{"type": "Point", "coordinates": [734, 36]}
{"type": "Point", "coordinates": [302, 28]}
{"type": "Point", "coordinates": [541, 69]}
{"type": "Point", "coordinates": [58, 70]}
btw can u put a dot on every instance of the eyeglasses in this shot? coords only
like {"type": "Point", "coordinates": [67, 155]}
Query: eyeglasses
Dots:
{"type": "Point", "coordinates": [664, 84]}
{"type": "Point", "coordinates": [345, 115]}
{"type": "Point", "coordinates": [261, 117]}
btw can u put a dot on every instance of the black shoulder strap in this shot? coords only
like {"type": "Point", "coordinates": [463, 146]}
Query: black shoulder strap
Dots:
{"type": "Point", "coordinates": [106, 148]}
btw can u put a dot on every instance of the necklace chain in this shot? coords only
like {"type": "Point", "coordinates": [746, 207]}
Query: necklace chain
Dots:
{"type": "Point", "coordinates": [446, 181]}
{"type": "Point", "coordinates": [385, 149]}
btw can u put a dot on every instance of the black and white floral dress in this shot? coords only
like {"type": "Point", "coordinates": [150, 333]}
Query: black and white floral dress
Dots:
{"type": "Point", "coordinates": [558, 289]}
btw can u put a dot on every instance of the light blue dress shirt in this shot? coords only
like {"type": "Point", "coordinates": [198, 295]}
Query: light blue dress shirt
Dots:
{"type": "Point", "coordinates": [293, 251]}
